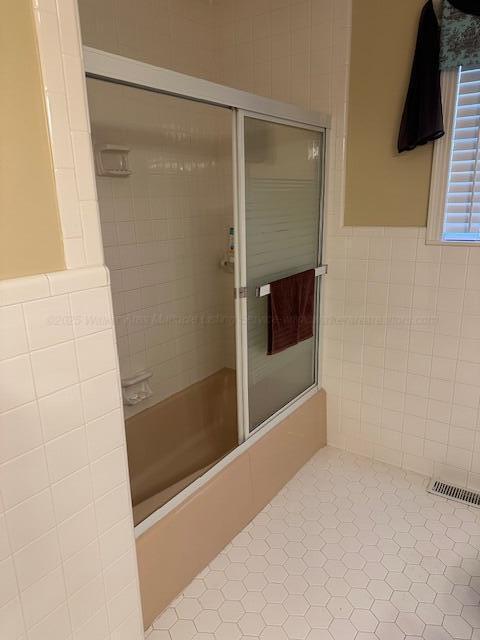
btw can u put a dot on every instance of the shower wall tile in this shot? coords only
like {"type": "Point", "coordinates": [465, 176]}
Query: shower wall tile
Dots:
{"type": "Point", "coordinates": [64, 493]}
{"type": "Point", "coordinates": [165, 230]}
{"type": "Point", "coordinates": [179, 36]}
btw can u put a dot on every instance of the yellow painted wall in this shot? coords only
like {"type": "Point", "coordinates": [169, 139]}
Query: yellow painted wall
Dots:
{"type": "Point", "coordinates": [30, 234]}
{"type": "Point", "coordinates": [383, 187]}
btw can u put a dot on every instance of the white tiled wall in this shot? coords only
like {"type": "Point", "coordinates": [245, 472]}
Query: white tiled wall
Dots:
{"type": "Point", "coordinates": [64, 85]}
{"type": "Point", "coordinates": [404, 386]}
{"type": "Point", "coordinates": [165, 231]}
{"type": "Point", "coordinates": [176, 34]}
{"type": "Point", "coordinates": [67, 553]}
{"type": "Point", "coordinates": [289, 50]}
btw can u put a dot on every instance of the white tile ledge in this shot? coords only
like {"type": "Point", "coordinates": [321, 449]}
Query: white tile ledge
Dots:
{"type": "Point", "coordinates": [25, 289]}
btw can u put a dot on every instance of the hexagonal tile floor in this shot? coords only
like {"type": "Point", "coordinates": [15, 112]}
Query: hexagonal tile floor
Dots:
{"type": "Point", "coordinates": [349, 549]}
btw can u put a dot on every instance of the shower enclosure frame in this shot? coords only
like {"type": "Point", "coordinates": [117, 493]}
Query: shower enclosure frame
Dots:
{"type": "Point", "coordinates": [117, 69]}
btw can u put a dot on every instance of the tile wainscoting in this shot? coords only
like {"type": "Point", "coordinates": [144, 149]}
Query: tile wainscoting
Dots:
{"type": "Point", "coordinates": [67, 551]}
{"type": "Point", "coordinates": [402, 350]}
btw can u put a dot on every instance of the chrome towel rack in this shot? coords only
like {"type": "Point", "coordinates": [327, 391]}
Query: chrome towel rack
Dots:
{"type": "Point", "coordinates": [264, 290]}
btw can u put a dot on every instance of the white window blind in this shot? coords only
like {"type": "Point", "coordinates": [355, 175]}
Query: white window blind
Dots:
{"type": "Point", "coordinates": [462, 209]}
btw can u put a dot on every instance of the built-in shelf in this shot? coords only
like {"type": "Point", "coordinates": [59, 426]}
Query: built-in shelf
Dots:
{"type": "Point", "coordinates": [112, 160]}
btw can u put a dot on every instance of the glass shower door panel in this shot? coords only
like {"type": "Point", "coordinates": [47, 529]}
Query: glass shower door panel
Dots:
{"type": "Point", "coordinates": [283, 187]}
{"type": "Point", "coordinates": [166, 233]}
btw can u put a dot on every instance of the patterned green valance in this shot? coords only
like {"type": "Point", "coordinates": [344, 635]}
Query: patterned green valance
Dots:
{"type": "Point", "coordinates": [460, 38]}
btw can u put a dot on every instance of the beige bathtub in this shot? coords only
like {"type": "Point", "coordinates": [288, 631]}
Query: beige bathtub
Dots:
{"type": "Point", "coordinates": [172, 443]}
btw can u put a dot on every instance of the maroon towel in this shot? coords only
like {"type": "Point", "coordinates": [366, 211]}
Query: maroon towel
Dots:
{"type": "Point", "coordinates": [290, 311]}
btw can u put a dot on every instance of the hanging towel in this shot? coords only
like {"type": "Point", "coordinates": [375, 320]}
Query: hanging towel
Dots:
{"type": "Point", "coordinates": [422, 119]}
{"type": "Point", "coordinates": [290, 311]}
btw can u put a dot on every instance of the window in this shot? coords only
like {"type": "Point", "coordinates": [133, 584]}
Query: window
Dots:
{"type": "Point", "coordinates": [454, 211]}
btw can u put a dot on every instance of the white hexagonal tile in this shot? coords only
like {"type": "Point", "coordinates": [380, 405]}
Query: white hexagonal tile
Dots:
{"type": "Point", "coordinates": [389, 631]}
{"type": "Point", "coordinates": [333, 551]}
{"type": "Point", "coordinates": [398, 581]}
{"type": "Point", "coordinates": [275, 593]}
{"type": "Point", "coordinates": [364, 620]}
{"type": "Point", "coordinates": [188, 608]}
{"type": "Point", "coordinates": [255, 581]}
{"type": "Point", "coordinates": [276, 556]}
{"type": "Point", "coordinates": [354, 561]}
{"type": "Point", "coordinates": [430, 614]}
{"type": "Point", "coordinates": [251, 624]}
{"type": "Point", "coordinates": [337, 586]}
{"type": "Point", "coordinates": [234, 590]}
{"type": "Point", "coordinates": [183, 630]}
{"type": "Point", "coordinates": [375, 571]}
{"type": "Point", "coordinates": [472, 616]}
{"type": "Point", "coordinates": [166, 620]}
{"type": "Point", "coordinates": [379, 589]}
{"type": "Point", "coordinates": [296, 585]}
{"type": "Point", "coordinates": [296, 605]}
{"type": "Point", "coordinates": [342, 630]}
{"type": "Point", "coordinates": [319, 617]}
{"type": "Point", "coordinates": [466, 595]}
{"type": "Point", "coordinates": [194, 589]}
{"type": "Point", "coordinates": [316, 576]}
{"type": "Point", "coordinates": [335, 568]}
{"type": "Point", "coordinates": [215, 579]}
{"type": "Point", "coordinates": [360, 598]}
{"type": "Point", "coordinates": [295, 566]}
{"type": "Point", "coordinates": [273, 633]}
{"type": "Point", "coordinates": [211, 599]}
{"type": "Point", "coordinates": [410, 623]}
{"type": "Point", "coordinates": [339, 607]}
{"type": "Point", "coordinates": [357, 578]}
{"type": "Point", "coordinates": [404, 601]}
{"type": "Point", "coordinates": [237, 554]}
{"type": "Point", "coordinates": [457, 575]}
{"type": "Point", "coordinates": [440, 584]}
{"type": "Point", "coordinates": [384, 611]}
{"type": "Point", "coordinates": [253, 602]}
{"type": "Point", "coordinates": [422, 592]}
{"type": "Point", "coordinates": [231, 611]}
{"type": "Point", "coordinates": [236, 571]}
{"type": "Point", "coordinates": [207, 621]}
{"type": "Point", "coordinates": [457, 627]}
{"type": "Point", "coordinates": [274, 614]}
{"type": "Point", "coordinates": [296, 628]}
{"type": "Point", "coordinates": [317, 596]}
{"type": "Point", "coordinates": [226, 631]}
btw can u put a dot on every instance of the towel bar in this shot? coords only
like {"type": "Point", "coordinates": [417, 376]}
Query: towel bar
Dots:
{"type": "Point", "coordinates": [264, 290]}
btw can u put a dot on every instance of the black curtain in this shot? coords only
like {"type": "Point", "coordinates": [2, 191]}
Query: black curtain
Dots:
{"type": "Point", "coordinates": [467, 6]}
{"type": "Point", "coordinates": [422, 119]}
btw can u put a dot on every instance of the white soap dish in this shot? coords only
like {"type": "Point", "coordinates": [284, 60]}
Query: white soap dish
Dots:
{"type": "Point", "coordinates": [112, 160]}
{"type": "Point", "coordinates": [136, 388]}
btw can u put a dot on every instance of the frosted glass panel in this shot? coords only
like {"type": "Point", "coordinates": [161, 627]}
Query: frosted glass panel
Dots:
{"type": "Point", "coordinates": [283, 169]}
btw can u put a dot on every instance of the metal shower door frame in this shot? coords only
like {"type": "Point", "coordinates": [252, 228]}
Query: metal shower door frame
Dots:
{"type": "Point", "coordinates": [241, 271]}
{"type": "Point", "coordinates": [110, 67]}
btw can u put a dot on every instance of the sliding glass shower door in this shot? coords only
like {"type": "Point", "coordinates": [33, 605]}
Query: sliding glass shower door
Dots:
{"type": "Point", "coordinates": [283, 190]}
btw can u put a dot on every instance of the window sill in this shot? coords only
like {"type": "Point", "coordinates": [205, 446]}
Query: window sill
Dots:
{"type": "Point", "coordinates": [443, 243]}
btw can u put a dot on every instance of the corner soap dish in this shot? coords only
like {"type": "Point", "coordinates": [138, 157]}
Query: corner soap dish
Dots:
{"type": "Point", "coordinates": [136, 388]}
{"type": "Point", "coordinates": [112, 160]}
